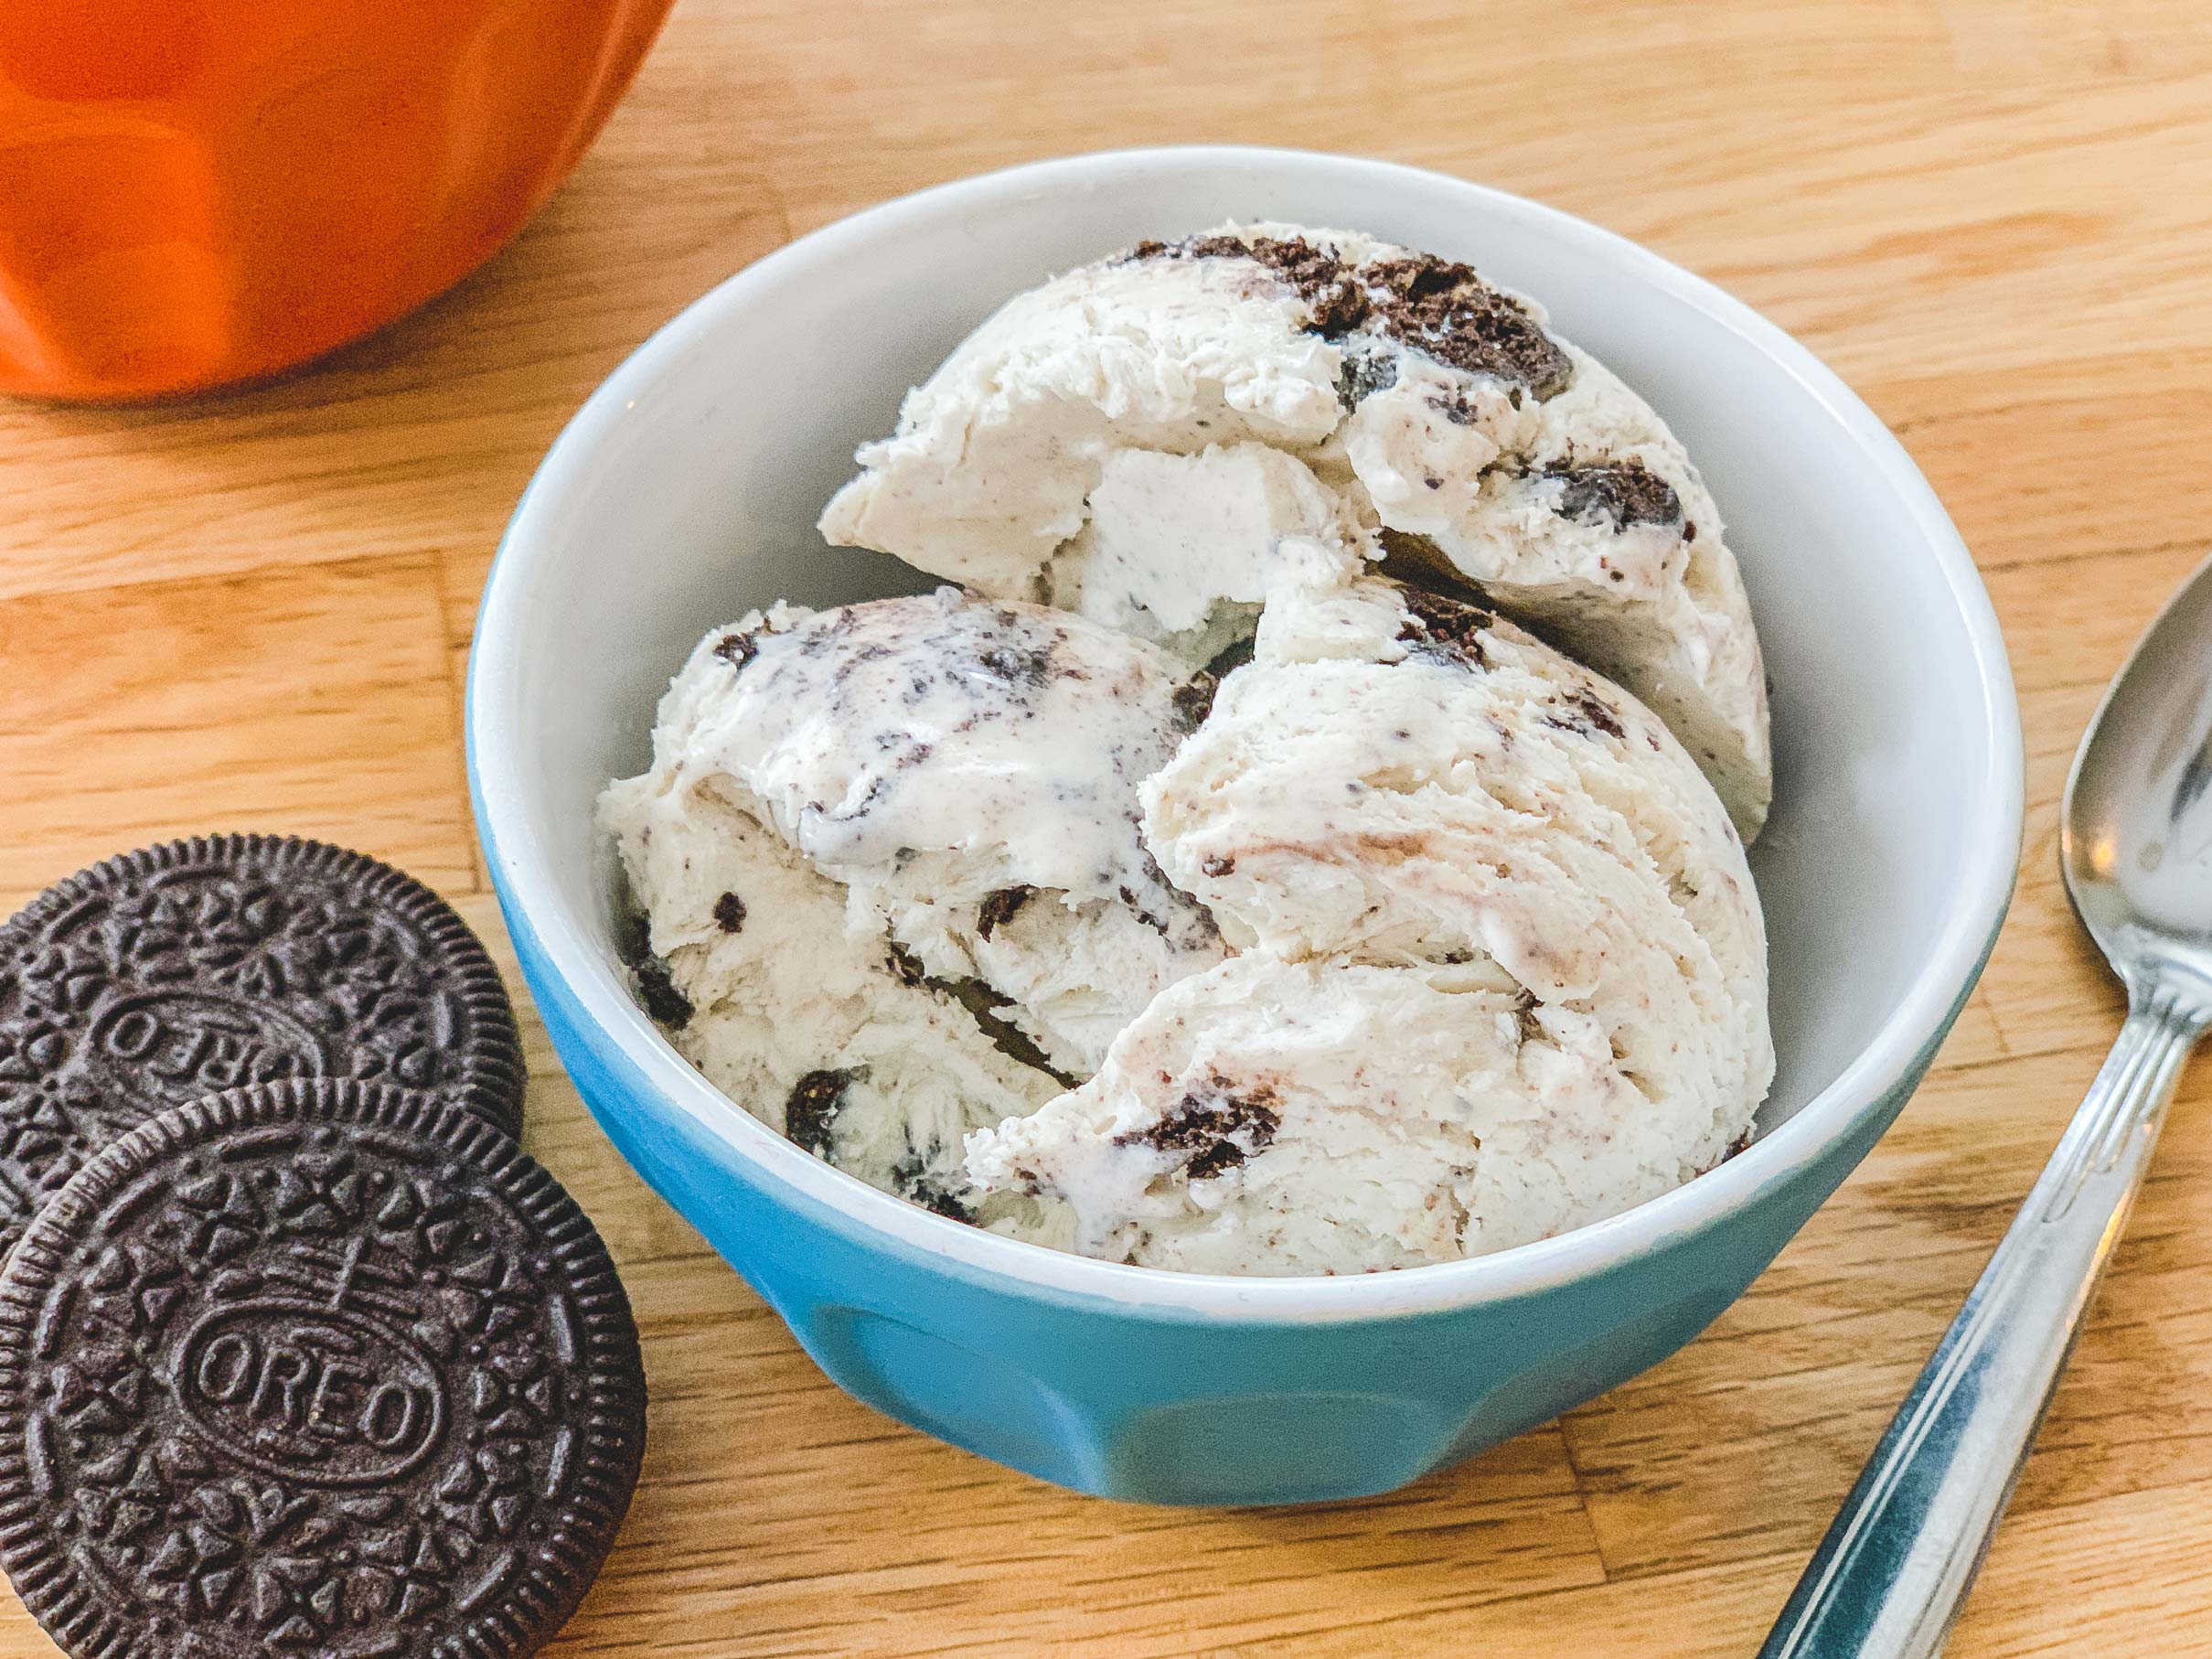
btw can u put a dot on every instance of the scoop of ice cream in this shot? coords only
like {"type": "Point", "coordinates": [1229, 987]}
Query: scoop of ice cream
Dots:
{"type": "Point", "coordinates": [1272, 1116]}
{"type": "Point", "coordinates": [1589, 524]}
{"type": "Point", "coordinates": [1441, 409]}
{"type": "Point", "coordinates": [1503, 967]}
{"type": "Point", "coordinates": [965, 772]}
{"type": "Point", "coordinates": [997, 451]}
{"type": "Point", "coordinates": [815, 1027]}
{"type": "Point", "coordinates": [1183, 549]}
{"type": "Point", "coordinates": [1401, 777]}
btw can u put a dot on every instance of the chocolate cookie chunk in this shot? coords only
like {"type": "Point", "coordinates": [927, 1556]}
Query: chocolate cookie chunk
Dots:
{"type": "Point", "coordinates": [318, 1367]}
{"type": "Point", "coordinates": [1422, 303]}
{"type": "Point", "coordinates": [209, 964]}
{"type": "Point", "coordinates": [1216, 1126]}
{"type": "Point", "coordinates": [1619, 493]}
{"type": "Point", "coordinates": [1441, 628]}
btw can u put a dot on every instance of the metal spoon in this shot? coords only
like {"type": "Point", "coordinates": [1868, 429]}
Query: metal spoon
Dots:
{"type": "Point", "coordinates": [2136, 850]}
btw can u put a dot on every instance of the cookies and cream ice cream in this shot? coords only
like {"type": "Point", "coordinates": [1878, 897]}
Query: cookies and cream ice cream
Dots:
{"type": "Point", "coordinates": [1457, 429]}
{"type": "Point", "coordinates": [1249, 518]}
{"type": "Point", "coordinates": [746, 960]}
{"type": "Point", "coordinates": [1415, 936]}
{"type": "Point", "coordinates": [1500, 969]}
{"type": "Point", "coordinates": [896, 845]}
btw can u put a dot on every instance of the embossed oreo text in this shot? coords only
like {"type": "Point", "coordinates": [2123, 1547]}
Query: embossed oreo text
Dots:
{"type": "Point", "coordinates": [313, 1368]}
{"type": "Point", "coordinates": [183, 1038]}
{"type": "Point", "coordinates": [322, 1396]}
{"type": "Point", "coordinates": [181, 972]}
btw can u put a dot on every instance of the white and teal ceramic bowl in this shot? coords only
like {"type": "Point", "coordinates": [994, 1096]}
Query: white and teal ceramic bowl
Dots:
{"type": "Point", "coordinates": [685, 492]}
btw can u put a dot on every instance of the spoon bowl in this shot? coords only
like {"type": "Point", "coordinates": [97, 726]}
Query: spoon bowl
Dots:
{"type": "Point", "coordinates": [2136, 837]}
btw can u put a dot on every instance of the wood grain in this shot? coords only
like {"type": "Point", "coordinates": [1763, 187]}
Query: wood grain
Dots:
{"type": "Point", "coordinates": [251, 611]}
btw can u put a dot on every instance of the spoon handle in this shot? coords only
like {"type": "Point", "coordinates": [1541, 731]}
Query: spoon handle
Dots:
{"type": "Point", "coordinates": [1890, 1578]}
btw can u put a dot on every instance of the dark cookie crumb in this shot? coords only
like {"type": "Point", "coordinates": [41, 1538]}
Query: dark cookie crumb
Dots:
{"type": "Point", "coordinates": [811, 1111]}
{"type": "Point", "coordinates": [657, 989]}
{"type": "Point", "coordinates": [1620, 493]}
{"type": "Point", "coordinates": [730, 913]}
{"type": "Point", "coordinates": [1319, 276]}
{"type": "Point", "coordinates": [911, 1179]}
{"type": "Point", "coordinates": [1445, 309]}
{"type": "Point", "coordinates": [984, 1008]}
{"type": "Point", "coordinates": [906, 965]}
{"type": "Point", "coordinates": [1443, 628]}
{"type": "Point", "coordinates": [738, 649]}
{"type": "Point", "coordinates": [1321, 279]}
{"type": "Point", "coordinates": [1194, 699]}
{"type": "Point", "coordinates": [877, 785]}
{"type": "Point", "coordinates": [1218, 1125]}
{"type": "Point", "coordinates": [1214, 864]}
{"type": "Point", "coordinates": [1743, 1144]}
{"type": "Point", "coordinates": [1524, 1016]}
{"type": "Point", "coordinates": [937, 1200]}
{"type": "Point", "coordinates": [1365, 372]}
{"type": "Point", "coordinates": [1017, 665]}
{"type": "Point", "coordinates": [1000, 908]}
{"type": "Point", "coordinates": [1200, 919]}
{"type": "Point", "coordinates": [1428, 305]}
{"type": "Point", "coordinates": [1586, 712]}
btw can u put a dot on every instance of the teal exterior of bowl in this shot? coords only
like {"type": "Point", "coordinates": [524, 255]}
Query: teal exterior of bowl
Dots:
{"type": "Point", "coordinates": [1164, 1404]}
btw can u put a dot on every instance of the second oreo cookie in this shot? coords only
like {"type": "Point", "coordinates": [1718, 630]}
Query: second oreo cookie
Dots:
{"type": "Point", "coordinates": [319, 1369]}
{"type": "Point", "coordinates": [179, 970]}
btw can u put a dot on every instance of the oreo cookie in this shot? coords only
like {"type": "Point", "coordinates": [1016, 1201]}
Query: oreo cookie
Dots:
{"type": "Point", "coordinates": [180, 971]}
{"type": "Point", "coordinates": [319, 1367]}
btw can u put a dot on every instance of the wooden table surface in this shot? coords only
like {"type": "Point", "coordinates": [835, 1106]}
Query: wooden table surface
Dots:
{"type": "Point", "coordinates": [1991, 215]}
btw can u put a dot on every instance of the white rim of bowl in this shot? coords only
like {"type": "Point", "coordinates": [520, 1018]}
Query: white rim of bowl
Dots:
{"type": "Point", "coordinates": [520, 854]}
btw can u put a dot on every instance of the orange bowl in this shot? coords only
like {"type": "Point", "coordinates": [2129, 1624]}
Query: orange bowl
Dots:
{"type": "Point", "coordinates": [199, 191]}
